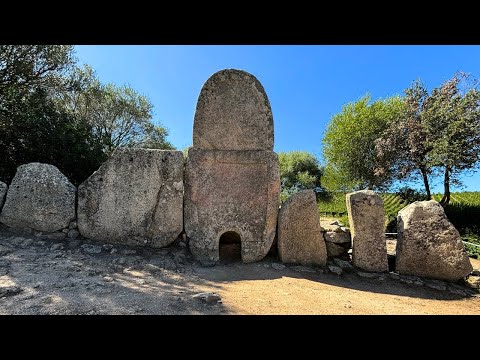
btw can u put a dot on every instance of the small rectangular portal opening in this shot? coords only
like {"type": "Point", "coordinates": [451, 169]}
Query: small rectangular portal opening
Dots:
{"type": "Point", "coordinates": [230, 248]}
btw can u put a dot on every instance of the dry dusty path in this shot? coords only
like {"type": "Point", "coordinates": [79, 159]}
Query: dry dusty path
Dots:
{"type": "Point", "coordinates": [52, 277]}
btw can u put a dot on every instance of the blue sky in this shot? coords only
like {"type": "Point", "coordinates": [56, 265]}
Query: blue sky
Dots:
{"type": "Point", "coordinates": [306, 85]}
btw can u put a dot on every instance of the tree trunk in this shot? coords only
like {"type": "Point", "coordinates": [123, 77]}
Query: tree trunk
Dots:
{"type": "Point", "coordinates": [446, 188]}
{"type": "Point", "coordinates": [423, 170]}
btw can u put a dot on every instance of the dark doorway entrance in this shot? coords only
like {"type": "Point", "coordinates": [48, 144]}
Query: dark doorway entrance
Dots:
{"type": "Point", "coordinates": [230, 248]}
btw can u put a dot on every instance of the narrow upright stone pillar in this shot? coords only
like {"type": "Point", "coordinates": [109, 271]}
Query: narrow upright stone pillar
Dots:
{"type": "Point", "coordinates": [366, 216]}
{"type": "Point", "coordinates": [300, 239]}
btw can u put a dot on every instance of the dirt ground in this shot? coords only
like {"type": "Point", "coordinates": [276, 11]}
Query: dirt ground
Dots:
{"type": "Point", "coordinates": [75, 277]}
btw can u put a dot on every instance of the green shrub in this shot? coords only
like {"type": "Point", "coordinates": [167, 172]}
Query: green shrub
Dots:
{"type": "Point", "coordinates": [473, 251]}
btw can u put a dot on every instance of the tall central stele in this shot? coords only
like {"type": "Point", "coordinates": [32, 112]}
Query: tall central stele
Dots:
{"type": "Point", "coordinates": [232, 181]}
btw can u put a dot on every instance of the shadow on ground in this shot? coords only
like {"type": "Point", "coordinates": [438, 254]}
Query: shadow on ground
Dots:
{"type": "Point", "coordinates": [265, 271]}
{"type": "Point", "coordinates": [80, 277]}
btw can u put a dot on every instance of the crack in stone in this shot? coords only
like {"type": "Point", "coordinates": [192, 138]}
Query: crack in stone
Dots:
{"type": "Point", "coordinates": [150, 231]}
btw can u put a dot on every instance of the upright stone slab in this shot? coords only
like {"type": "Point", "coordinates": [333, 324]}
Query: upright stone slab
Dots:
{"type": "Point", "coordinates": [300, 239]}
{"type": "Point", "coordinates": [232, 180]}
{"type": "Point", "coordinates": [233, 113]}
{"type": "Point", "coordinates": [231, 191]}
{"type": "Point", "coordinates": [134, 198]}
{"type": "Point", "coordinates": [3, 193]}
{"type": "Point", "coordinates": [366, 216]}
{"type": "Point", "coordinates": [428, 245]}
{"type": "Point", "coordinates": [40, 198]}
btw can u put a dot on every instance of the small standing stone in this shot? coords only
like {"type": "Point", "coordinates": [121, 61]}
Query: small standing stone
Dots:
{"type": "Point", "coordinates": [366, 215]}
{"type": "Point", "coordinates": [300, 240]}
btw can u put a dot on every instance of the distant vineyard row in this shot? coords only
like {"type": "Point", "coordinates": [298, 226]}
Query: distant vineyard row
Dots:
{"type": "Point", "coordinates": [462, 198]}
{"type": "Point", "coordinates": [393, 203]}
{"type": "Point", "coordinates": [336, 206]}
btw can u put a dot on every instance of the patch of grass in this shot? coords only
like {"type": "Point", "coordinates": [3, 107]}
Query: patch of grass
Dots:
{"type": "Point", "coordinates": [473, 251]}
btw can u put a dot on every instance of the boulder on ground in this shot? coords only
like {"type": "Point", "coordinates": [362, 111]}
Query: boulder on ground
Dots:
{"type": "Point", "coordinates": [134, 198]}
{"type": "Point", "coordinates": [39, 198]}
{"type": "Point", "coordinates": [428, 244]}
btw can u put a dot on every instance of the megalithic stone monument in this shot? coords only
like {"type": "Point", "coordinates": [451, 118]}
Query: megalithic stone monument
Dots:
{"type": "Point", "coordinates": [232, 181]}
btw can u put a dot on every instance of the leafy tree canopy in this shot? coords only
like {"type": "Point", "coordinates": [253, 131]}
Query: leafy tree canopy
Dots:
{"type": "Point", "coordinates": [299, 170]}
{"type": "Point", "coordinates": [54, 112]}
{"type": "Point", "coordinates": [349, 141]}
